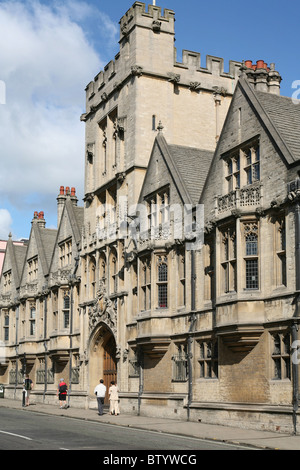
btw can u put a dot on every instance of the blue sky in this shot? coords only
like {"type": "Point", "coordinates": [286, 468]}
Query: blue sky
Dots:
{"type": "Point", "coordinates": [50, 50]}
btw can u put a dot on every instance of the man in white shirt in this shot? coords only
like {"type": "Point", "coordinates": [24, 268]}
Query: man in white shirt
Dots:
{"type": "Point", "coordinates": [100, 391]}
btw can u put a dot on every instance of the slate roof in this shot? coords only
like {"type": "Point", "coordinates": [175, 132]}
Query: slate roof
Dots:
{"type": "Point", "coordinates": [19, 254]}
{"type": "Point", "coordinates": [188, 166]}
{"type": "Point", "coordinates": [281, 117]}
{"type": "Point", "coordinates": [193, 165]}
{"type": "Point", "coordinates": [14, 260]}
{"type": "Point", "coordinates": [285, 115]}
{"type": "Point", "coordinates": [48, 238]}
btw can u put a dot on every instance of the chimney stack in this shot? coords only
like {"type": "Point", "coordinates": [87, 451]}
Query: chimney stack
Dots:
{"type": "Point", "coordinates": [64, 193]}
{"type": "Point", "coordinates": [74, 197]}
{"type": "Point", "coordinates": [61, 199]}
{"type": "Point", "coordinates": [38, 217]}
{"type": "Point", "coordinates": [41, 220]}
{"type": "Point", "coordinates": [262, 77]}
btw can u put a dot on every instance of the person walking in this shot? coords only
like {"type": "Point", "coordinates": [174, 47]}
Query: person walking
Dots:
{"type": "Point", "coordinates": [113, 392]}
{"type": "Point", "coordinates": [62, 393]}
{"type": "Point", "coordinates": [100, 391]}
{"type": "Point", "coordinates": [28, 384]}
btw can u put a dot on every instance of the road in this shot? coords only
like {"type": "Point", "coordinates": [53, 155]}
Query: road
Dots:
{"type": "Point", "coordinates": [33, 431]}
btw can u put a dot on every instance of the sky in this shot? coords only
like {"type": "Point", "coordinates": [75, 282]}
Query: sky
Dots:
{"type": "Point", "coordinates": [50, 51]}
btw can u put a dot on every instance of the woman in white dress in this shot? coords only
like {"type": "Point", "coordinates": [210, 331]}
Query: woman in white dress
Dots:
{"type": "Point", "coordinates": [113, 393]}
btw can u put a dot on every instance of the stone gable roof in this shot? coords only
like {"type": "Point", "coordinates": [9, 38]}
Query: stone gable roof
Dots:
{"type": "Point", "coordinates": [193, 165]}
{"type": "Point", "coordinates": [285, 115]}
{"type": "Point", "coordinates": [188, 166]}
{"type": "Point", "coordinates": [281, 117]}
{"type": "Point", "coordinates": [75, 218]}
{"type": "Point", "coordinates": [14, 260]}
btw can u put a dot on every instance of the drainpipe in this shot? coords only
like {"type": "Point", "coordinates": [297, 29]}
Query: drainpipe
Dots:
{"type": "Point", "coordinates": [71, 344]}
{"type": "Point", "coordinates": [295, 327]}
{"type": "Point", "coordinates": [189, 339]}
{"type": "Point", "coordinates": [193, 281]}
{"type": "Point", "coordinates": [45, 347]}
{"type": "Point", "coordinates": [141, 378]}
{"type": "Point", "coordinates": [17, 350]}
{"type": "Point", "coordinates": [297, 243]}
{"type": "Point", "coordinates": [295, 376]}
{"type": "Point", "coordinates": [72, 283]}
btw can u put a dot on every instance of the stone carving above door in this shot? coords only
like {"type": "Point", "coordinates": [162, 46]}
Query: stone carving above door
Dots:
{"type": "Point", "coordinates": [103, 310]}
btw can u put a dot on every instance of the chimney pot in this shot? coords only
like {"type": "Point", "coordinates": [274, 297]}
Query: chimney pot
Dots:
{"type": "Point", "coordinates": [35, 214]}
{"type": "Point", "coordinates": [260, 64]}
{"type": "Point", "coordinates": [67, 190]}
{"type": "Point", "coordinates": [73, 191]}
{"type": "Point", "coordinates": [62, 190]}
{"type": "Point", "coordinates": [248, 64]}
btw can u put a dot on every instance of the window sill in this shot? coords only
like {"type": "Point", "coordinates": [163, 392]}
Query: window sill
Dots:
{"type": "Point", "coordinates": [205, 379]}
{"type": "Point", "coordinates": [280, 381]}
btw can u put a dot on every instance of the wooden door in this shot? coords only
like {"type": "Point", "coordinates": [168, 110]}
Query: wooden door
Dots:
{"type": "Point", "coordinates": [109, 366]}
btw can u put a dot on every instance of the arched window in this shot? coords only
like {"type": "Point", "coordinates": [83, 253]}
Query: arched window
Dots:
{"type": "Point", "coordinates": [113, 267]}
{"type": "Point", "coordinates": [251, 255]}
{"type": "Point", "coordinates": [145, 281]}
{"type": "Point", "coordinates": [66, 311]}
{"type": "Point", "coordinates": [162, 282]}
{"type": "Point", "coordinates": [32, 319]}
{"type": "Point", "coordinates": [102, 267]}
{"type": "Point", "coordinates": [92, 277]}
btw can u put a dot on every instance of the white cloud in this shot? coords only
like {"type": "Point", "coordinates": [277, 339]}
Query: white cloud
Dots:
{"type": "Point", "coordinates": [5, 224]}
{"type": "Point", "coordinates": [46, 60]}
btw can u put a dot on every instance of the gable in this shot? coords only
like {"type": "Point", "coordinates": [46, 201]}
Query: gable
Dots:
{"type": "Point", "coordinates": [40, 245]}
{"type": "Point", "coordinates": [248, 124]}
{"type": "Point", "coordinates": [70, 226]}
{"type": "Point", "coordinates": [285, 115]}
{"type": "Point", "coordinates": [183, 168]}
{"type": "Point", "coordinates": [159, 175]}
{"type": "Point", "coordinates": [13, 262]}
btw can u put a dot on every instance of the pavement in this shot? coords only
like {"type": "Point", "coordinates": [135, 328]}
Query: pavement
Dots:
{"type": "Point", "coordinates": [266, 440]}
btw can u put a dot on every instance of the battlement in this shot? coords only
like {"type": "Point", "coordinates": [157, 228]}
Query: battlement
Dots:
{"type": "Point", "coordinates": [185, 73]}
{"type": "Point", "coordinates": [214, 65]}
{"type": "Point", "coordinates": [147, 49]}
{"type": "Point", "coordinates": [153, 19]}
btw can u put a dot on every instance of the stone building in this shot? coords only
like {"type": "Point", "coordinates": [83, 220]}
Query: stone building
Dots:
{"type": "Point", "coordinates": [179, 277]}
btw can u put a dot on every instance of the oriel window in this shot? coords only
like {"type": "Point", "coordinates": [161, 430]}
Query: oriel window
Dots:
{"type": "Point", "coordinates": [228, 238]}
{"type": "Point", "coordinates": [66, 311]}
{"type": "Point", "coordinates": [162, 282]}
{"type": "Point", "coordinates": [6, 327]}
{"type": "Point", "coordinates": [280, 244]}
{"type": "Point", "coordinates": [252, 167]}
{"type": "Point", "coordinates": [146, 284]}
{"type": "Point", "coordinates": [251, 256]}
{"type": "Point", "coordinates": [32, 318]}
{"type": "Point", "coordinates": [233, 172]}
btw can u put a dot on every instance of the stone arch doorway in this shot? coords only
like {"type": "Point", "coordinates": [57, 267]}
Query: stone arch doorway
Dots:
{"type": "Point", "coordinates": [102, 363]}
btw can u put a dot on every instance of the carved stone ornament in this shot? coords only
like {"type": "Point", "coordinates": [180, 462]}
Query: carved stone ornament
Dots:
{"type": "Point", "coordinates": [137, 70]}
{"type": "Point", "coordinates": [173, 77]}
{"type": "Point", "coordinates": [156, 25]}
{"type": "Point", "coordinates": [194, 86]}
{"type": "Point", "coordinates": [103, 310]}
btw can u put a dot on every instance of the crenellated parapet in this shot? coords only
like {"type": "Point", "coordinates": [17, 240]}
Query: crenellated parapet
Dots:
{"type": "Point", "coordinates": [191, 61]}
{"type": "Point", "coordinates": [151, 19]}
{"type": "Point", "coordinates": [147, 50]}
